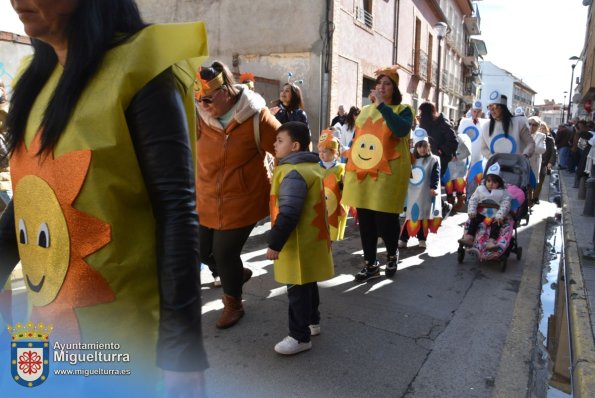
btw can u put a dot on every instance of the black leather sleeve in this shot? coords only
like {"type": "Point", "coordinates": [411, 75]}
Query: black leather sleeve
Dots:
{"type": "Point", "coordinates": [9, 252]}
{"type": "Point", "coordinates": [158, 127]}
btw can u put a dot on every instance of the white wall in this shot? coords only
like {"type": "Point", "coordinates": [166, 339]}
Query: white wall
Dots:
{"type": "Point", "coordinates": [268, 39]}
{"type": "Point", "coordinates": [11, 55]}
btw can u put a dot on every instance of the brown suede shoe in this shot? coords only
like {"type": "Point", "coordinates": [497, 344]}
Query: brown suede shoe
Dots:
{"type": "Point", "coordinates": [232, 312]}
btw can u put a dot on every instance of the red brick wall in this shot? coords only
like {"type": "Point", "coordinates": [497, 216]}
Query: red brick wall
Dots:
{"type": "Point", "coordinates": [13, 37]}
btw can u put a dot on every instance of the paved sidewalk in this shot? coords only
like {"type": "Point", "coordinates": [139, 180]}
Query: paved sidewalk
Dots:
{"type": "Point", "coordinates": [578, 236]}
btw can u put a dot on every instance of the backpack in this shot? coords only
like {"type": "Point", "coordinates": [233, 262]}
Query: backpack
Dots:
{"type": "Point", "coordinates": [268, 159]}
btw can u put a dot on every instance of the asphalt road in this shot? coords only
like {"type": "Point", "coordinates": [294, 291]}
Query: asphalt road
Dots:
{"type": "Point", "coordinates": [438, 329]}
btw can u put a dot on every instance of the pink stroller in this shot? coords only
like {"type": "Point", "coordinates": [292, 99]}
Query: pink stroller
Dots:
{"type": "Point", "coordinates": [515, 170]}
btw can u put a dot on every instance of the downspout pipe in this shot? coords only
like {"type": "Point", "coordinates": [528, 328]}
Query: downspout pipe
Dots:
{"type": "Point", "coordinates": [396, 31]}
{"type": "Point", "coordinates": [325, 65]}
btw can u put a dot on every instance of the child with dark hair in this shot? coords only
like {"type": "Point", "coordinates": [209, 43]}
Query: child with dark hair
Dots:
{"type": "Point", "coordinates": [424, 213]}
{"type": "Point", "coordinates": [299, 240]}
{"type": "Point", "coordinates": [491, 191]}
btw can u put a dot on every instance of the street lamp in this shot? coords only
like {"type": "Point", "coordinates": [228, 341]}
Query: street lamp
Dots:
{"type": "Point", "coordinates": [563, 103]}
{"type": "Point", "coordinates": [576, 59]}
{"type": "Point", "coordinates": [441, 31]}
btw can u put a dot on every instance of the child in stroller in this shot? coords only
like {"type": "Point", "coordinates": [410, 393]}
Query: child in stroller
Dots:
{"type": "Point", "coordinates": [491, 194]}
{"type": "Point", "coordinates": [515, 172]}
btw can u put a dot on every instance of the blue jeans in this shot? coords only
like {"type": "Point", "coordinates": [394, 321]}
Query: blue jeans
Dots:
{"type": "Point", "coordinates": [303, 310]}
{"type": "Point", "coordinates": [563, 157]}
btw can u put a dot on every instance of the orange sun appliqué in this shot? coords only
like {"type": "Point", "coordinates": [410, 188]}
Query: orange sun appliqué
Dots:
{"type": "Point", "coordinates": [333, 199]}
{"type": "Point", "coordinates": [274, 209]}
{"type": "Point", "coordinates": [320, 222]}
{"type": "Point", "coordinates": [55, 238]}
{"type": "Point", "coordinates": [372, 149]}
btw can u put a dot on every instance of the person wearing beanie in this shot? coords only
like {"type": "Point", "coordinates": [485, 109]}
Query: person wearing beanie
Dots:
{"type": "Point", "coordinates": [471, 126]}
{"type": "Point", "coordinates": [378, 170]}
{"type": "Point", "coordinates": [334, 170]}
{"type": "Point", "coordinates": [494, 192]}
{"type": "Point", "coordinates": [505, 133]}
{"type": "Point", "coordinates": [424, 212]}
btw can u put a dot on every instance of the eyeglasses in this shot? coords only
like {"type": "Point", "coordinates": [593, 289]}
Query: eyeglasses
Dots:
{"type": "Point", "coordinates": [209, 100]}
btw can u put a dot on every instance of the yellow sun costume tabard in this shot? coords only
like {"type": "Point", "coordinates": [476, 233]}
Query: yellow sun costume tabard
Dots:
{"type": "Point", "coordinates": [379, 164]}
{"type": "Point", "coordinates": [82, 213]}
{"type": "Point", "coordinates": [336, 211]}
{"type": "Point", "coordinates": [306, 256]}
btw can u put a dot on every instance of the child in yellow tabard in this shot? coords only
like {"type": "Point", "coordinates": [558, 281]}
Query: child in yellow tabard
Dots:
{"type": "Point", "coordinates": [299, 240]}
{"type": "Point", "coordinates": [334, 170]}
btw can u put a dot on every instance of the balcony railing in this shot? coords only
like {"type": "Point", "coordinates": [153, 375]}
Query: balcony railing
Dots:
{"type": "Point", "coordinates": [434, 73]}
{"type": "Point", "coordinates": [364, 17]}
{"type": "Point", "coordinates": [423, 65]}
{"type": "Point", "coordinates": [420, 64]}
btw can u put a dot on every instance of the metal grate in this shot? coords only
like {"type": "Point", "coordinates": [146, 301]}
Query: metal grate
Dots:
{"type": "Point", "coordinates": [364, 17]}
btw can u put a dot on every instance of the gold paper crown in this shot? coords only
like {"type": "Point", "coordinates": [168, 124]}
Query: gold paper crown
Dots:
{"type": "Point", "coordinates": [204, 87]}
{"type": "Point", "coordinates": [30, 331]}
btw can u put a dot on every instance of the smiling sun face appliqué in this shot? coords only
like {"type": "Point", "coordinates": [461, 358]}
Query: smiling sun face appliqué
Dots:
{"type": "Point", "coordinates": [53, 237]}
{"type": "Point", "coordinates": [42, 233]}
{"type": "Point", "coordinates": [372, 149]}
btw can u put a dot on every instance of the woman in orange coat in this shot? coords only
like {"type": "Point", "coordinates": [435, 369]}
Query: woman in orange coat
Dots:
{"type": "Point", "coordinates": [232, 183]}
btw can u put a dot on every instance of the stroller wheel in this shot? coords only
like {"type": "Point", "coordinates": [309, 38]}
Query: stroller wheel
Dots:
{"type": "Point", "coordinates": [460, 254]}
{"type": "Point", "coordinates": [504, 264]}
{"type": "Point", "coordinates": [519, 253]}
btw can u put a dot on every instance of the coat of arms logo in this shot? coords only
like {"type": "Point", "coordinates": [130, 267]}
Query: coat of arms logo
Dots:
{"type": "Point", "coordinates": [30, 353]}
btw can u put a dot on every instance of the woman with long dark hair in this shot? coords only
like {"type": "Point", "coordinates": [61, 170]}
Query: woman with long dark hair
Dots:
{"type": "Point", "coordinates": [505, 133]}
{"type": "Point", "coordinates": [104, 198]}
{"type": "Point", "coordinates": [290, 106]}
{"type": "Point", "coordinates": [378, 170]}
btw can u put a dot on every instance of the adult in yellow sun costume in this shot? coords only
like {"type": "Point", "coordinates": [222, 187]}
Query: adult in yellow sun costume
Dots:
{"type": "Point", "coordinates": [104, 197]}
{"type": "Point", "coordinates": [378, 170]}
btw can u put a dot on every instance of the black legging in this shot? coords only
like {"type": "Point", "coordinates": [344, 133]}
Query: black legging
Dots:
{"type": "Point", "coordinates": [373, 224]}
{"type": "Point", "coordinates": [478, 219]}
{"type": "Point", "coordinates": [221, 250]}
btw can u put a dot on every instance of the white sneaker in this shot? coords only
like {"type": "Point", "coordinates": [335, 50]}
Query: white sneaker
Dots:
{"type": "Point", "coordinates": [422, 243]}
{"type": "Point", "coordinates": [290, 346]}
{"type": "Point", "coordinates": [314, 330]}
{"type": "Point", "coordinates": [217, 282]}
{"type": "Point", "coordinates": [402, 244]}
